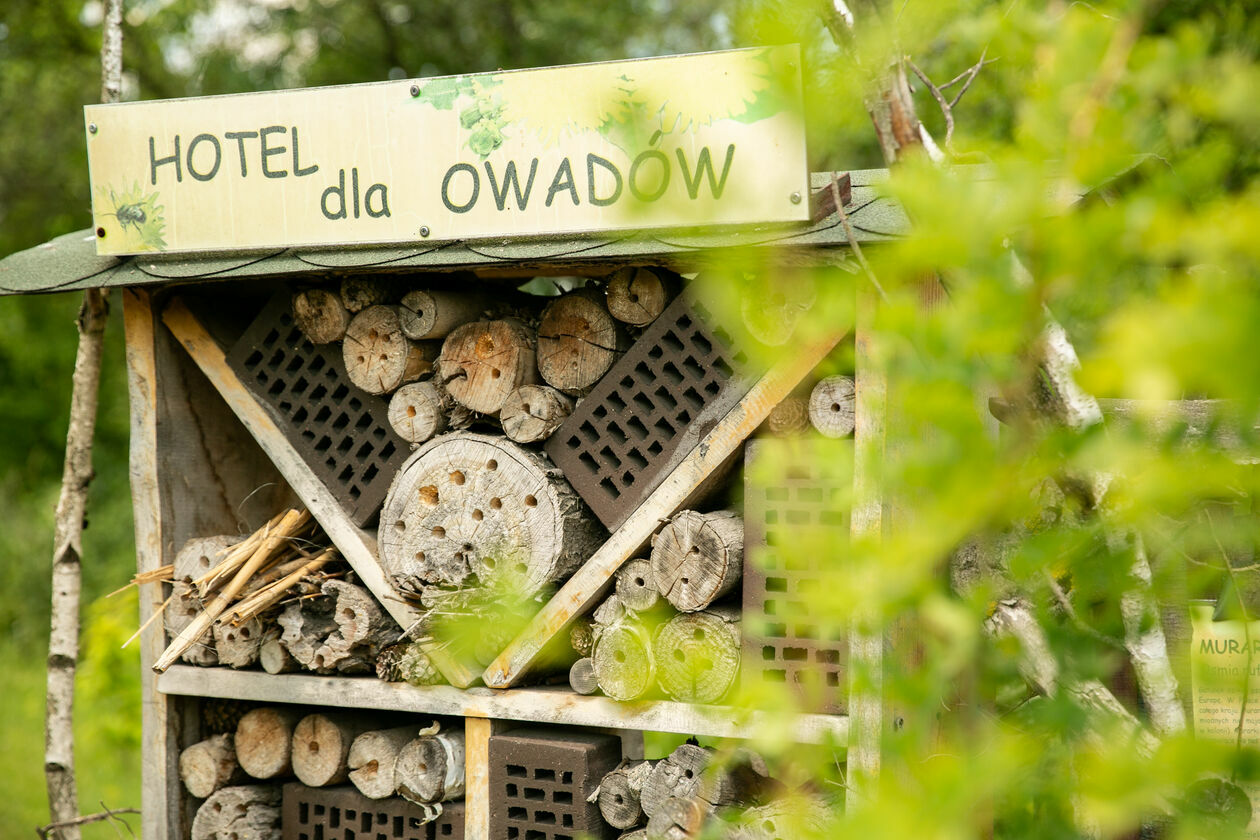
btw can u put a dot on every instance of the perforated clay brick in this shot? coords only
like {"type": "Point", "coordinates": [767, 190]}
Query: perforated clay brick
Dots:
{"type": "Point", "coordinates": [614, 447]}
{"type": "Point", "coordinates": [341, 432]}
{"type": "Point", "coordinates": [540, 780]}
{"type": "Point", "coordinates": [790, 485]}
{"type": "Point", "coordinates": [342, 813]}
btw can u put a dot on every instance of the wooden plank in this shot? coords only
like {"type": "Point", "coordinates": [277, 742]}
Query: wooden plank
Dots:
{"type": "Point", "coordinates": [550, 705]}
{"type": "Point", "coordinates": [477, 732]}
{"type": "Point", "coordinates": [160, 795]}
{"type": "Point", "coordinates": [356, 545]}
{"type": "Point", "coordinates": [689, 473]}
{"type": "Point", "coordinates": [866, 645]}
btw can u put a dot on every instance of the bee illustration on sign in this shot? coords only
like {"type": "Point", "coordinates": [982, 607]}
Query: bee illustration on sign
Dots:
{"type": "Point", "coordinates": [138, 216]}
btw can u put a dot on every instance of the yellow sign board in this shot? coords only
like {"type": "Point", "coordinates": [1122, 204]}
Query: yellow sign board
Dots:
{"type": "Point", "coordinates": [708, 139]}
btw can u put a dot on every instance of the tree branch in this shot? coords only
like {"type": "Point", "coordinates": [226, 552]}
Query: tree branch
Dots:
{"type": "Point", "coordinates": [108, 814]}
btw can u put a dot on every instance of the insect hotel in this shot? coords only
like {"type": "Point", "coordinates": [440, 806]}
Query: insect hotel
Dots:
{"type": "Point", "coordinates": [453, 475]}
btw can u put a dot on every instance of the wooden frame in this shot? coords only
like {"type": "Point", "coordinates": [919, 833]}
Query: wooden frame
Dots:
{"type": "Point", "coordinates": [190, 485]}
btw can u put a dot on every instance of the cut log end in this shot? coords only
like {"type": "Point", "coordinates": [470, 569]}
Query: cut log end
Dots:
{"type": "Point", "coordinates": [698, 557]}
{"type": "Point", "coordinates": [483, 362]}
{"type": "Point", "coordinates": [619, 795]}
{"type": "Point", "coordinates": [379, 359]}
{"type": "Point", "coordinates": [263, 741]}
{"type": "Point", "coordinates": [697, 656]}
{"type": "Point", "coordinates": [832, 406]}
{"type": "Point", "coordinates": [532, 412]}
{"type": "Point", "coordinates": [417, 412]}
{"type": "Point", "coordinates": [321, 747]}
{"type": "Point", "coordinates": [636, 296]}
{"type": "Point", "coordinates": [431, 768]}
{"type": "Point", "coordinates": [636, 587]}
{"type": "Point", "coordinates": [582, 676]}
{"type": "Point", "coordinates": [432, 314]}
{"type": "Point", "coordinates": [240, 811]}
{"type": "Point", "coordinates": [320, 315]}
{"type": "Point", "coordinates": [624, 666]}
{"type": "Point", "coordinates": [209, 765]}
{"type": "Point", "coordinates": [578, 341]}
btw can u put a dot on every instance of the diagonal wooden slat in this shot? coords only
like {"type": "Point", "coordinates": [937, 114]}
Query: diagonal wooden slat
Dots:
{"type": "Point", "coordinates": [355, 544]}
{"type": "Point", "coordinates": [688, 474]}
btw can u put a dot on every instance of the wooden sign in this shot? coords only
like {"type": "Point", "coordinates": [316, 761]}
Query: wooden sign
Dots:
{"type": "Point", "coordinates": [707, 139]}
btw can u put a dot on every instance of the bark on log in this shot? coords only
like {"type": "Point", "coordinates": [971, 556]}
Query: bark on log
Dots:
{"type": "Point", "coordinates": [183, 607]}
{"type": "Point", "coordinates": [431, 768]}
{"type": "Point", "coordinates": [264, 739]}
{"type": "Point", "coordinates": [832, 406]}
{"type": "Point", "coordinates": [790, 417]}
{"type": "Point", "coordinates": [209, 765]}
{"type": "Point", "coordinates": [321, 746]}
{"type": "Point", "coordinates": [417, 411]}
{"type": "Point", "coordinates": [305, 624]}
{"type": "Point", "coordinates": [321, 315]}
{"type": "Point", "coordinates": [372, 758]}
{"type": "Point", "coordinates": [238, 646]}
{"type": "Point", "coordinates": [467, 504]}
{"type": "Point", "coordinates": [407, 662]}
{"type": "Point", "coordinates": [532, 412]}
{"type": "Point", "coordinates": [619, 794]}
{"type": "Point", "coordinates": [234, 813]}
{"type": "Point", "coordinates": [582, 676]}
{"type": "Point", "coordinates": [358, 293]}
{"type": "Point", "coordinates": [624, 666]}
{"type": "Point", "coordinates": [378, 357]}
{"type": "Point", "coordinates": [483, 362]}
{"type": "Point", "coordinates": [636, 586]}
{"type": "Point", "coordinates": [697, 655]}
{"type": "Point", "coordinates": [636, 296]}
{"type": "Point", "coordinates": [698, 557]}
{"type": "Point", "coordinates": [678, 818]}
{"type": "Point", "coordinates": [272, 654]}
{"type": "Point", "coordinates": [679, 774]}
{"type": "Point", "coordinates": [431, 313]}
{"type": "Point", "coordinates": [582, 637]}
{"type": "Point", "coordinates": [201, 554]}
{"type": "Point", "coordinates": [362, 630]}
{"type": "Point", "coordinates": [578, 341]}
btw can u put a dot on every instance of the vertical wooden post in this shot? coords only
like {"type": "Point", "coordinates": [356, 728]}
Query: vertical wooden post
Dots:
{"type": "Point", "coordinates": [866, 642]}
{"type": "Point", "coordinates": [161, 799]}
{"type": "Point", "coordinates": [477, 732]}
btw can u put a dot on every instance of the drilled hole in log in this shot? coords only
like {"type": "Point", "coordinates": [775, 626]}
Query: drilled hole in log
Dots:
{"type": "Point", "coordinates": [204, 561]}
{"type": "Point", "coordinates": [633, 299]}
{"type": "Point", "coordinates": [384, 357]}
{"type": "Point", "coordinates": [639, 581]}
{"type": "Point", "coordinates": [424, 768]}
{"type": "Point", "coordinates": [420, 556]}
{"type": "Point", "coordinates": [496, 503]}
{"type": "Point", "coordinates": [457, 477]}
{"type": "Point", "coordinates": [372, 766]}
{"type": "Point", "coordinates": [835, 407]}
{"type": "Point", "coordinates": [362, 359]}
{"type": "Point", "coordinates": [693, 550]}
{"type": "Point", "coordinates": [218, 806]}
{"type": "Point", "coordinates": [439, 531]}
{"type": "Point", "coordinates": [688, 773]}
{"type": "Point", "coordinates": [698, 635]}
{"type": "Point", "coordinates": [348, 613]}
{"type": "Point", "coordinates": [685, 581]}
{"type": "Point", "coordinates": [489, 561]}
{"type": "Point", "coordinates": [477, 515]}
{"type": "Point", "coordinates": [400, 526]}
{"type": "Point", "coordinates": [244, 632]}
{"type": "Point", "coordinates": [678, 654]}
{"type": "Point", "coordinates": [492, 464]}
{"type": "Point", "coordinates": [521, 568]}
{"type": "Point", "coordinates": [428, 495]}
{"type": "Point", "coordinates": [620, 656]}
{"type": "Point", "coordinates": [319, 661]}
{"type": "Point", "coordinates": [314, 746]}
{"type": "Point", "coordinates": [411, 411]}
{"type": "Point", "coordinates": [530, 501]}
{"type": "Point", "coordinates": [468, 547]}
{"type": "Point", "coordinates": [495, 373]}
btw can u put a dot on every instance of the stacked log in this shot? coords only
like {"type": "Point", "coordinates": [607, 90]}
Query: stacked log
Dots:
{"type": "Point", "coordinates": [321, 746]}
{"type": "Point", "coordinates": [832, 406]}
{"type": "Point", "coordinates": [209, 765]}
{"type": "Point", "coordinates": [264, 741]}
{"type": "Point", "coordinates": [620, 792]}
{"type": "Point", "coordinates": [698, 557]}
{"type": "Point", "coordinates": [430, 768]}
{"type": "Point", "coordinates": [241, 811]}
{"type": "Point", "coordinates": [372, 758]}
{"type": "Point", "coordinates": [697, 655]}
{"type": "Point", "coordinates": [636, 296]}
{"type": "Point", "coordinates": [578, 341]}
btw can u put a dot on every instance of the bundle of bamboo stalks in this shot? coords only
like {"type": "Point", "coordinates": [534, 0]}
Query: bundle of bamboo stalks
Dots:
{"type": "Point", "coordinates": [253, 576]}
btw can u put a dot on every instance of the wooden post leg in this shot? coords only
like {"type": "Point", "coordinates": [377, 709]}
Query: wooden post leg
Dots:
{"type": "Point", "coordinates": [477, 732]}
{"type": "Point", "coordinates": [866, 644]}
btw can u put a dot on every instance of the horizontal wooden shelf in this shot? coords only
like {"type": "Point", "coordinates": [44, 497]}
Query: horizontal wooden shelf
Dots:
{"type": "Point", "coordinates": [537, 705]}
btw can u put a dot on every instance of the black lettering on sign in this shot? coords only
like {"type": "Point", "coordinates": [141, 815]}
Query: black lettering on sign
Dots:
{"type": "Point", "coordinates": [563, 181]}
{"type": "Point", "coordinates": [704, 165]}
{"type": "Point", "coordinates": [383, 192]}
{"type": "Point", "coordinates": [240, 137]}
{"type": "Point", "coordinates": [476, 188]}
{"type": "Point", "coordinates": [510, 179]}
{"type": "Point", "coordinates": [662, 183]}
{"type": "Point", "coordinates": [192, 151]}
{"type": "Point", "coordinates": [298, 171]}
{"type": "Point", "coordinates": [268, 151]}
{"type": "Point", "coordinates": [354, 189]}
{"type": "Point", "coordinates": [338, 192]}
{"type": "Point", "coordinates": [591, 160]}
{"type": "Point", "coordinates": [155, 162]}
